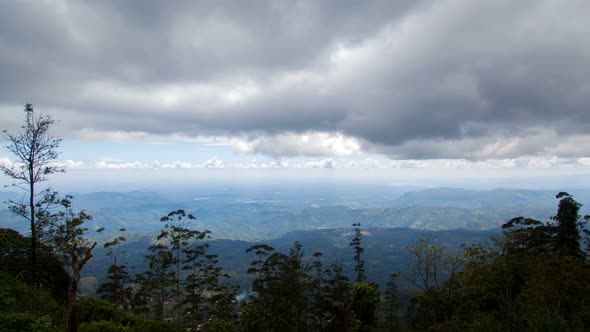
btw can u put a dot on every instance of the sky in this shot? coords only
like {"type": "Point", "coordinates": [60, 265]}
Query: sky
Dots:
{"type": "Point", "coordinates": [342, 89]}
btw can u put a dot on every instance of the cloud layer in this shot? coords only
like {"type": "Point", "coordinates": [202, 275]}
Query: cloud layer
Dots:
{"type": "Point", "coordinates": [409, 79]}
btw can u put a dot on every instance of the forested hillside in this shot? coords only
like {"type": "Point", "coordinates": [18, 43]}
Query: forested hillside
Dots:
{"type": "Point", "coordinates": [532, 276]}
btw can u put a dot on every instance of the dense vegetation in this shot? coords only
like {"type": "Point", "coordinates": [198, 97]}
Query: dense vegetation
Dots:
{"type": "Point", "coordinates": [534, 276]}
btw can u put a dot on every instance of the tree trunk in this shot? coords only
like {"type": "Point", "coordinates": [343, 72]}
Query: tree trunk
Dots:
{"type": "Point", "coordinates": [72, 296]}
{"type": "Point", "coordinates": [34, 274]}
{"type": "Point", "coordinates": [77, 265]}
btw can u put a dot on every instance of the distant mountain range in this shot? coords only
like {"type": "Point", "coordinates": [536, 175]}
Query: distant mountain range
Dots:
{"type": "Point", "coordinates": [386, 251]}
{"type": "Point", "coordinates": [260, 215]}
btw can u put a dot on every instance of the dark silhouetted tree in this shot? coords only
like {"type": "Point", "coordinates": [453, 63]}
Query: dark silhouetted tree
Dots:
{"type": "Point", "coordinates": [391, 297]}
{"type": "Point", "coordinates": [157, 280]}
{"type": "Point", "coordinates": [219, 295]}
{"type": "Point", "coordinates": [567, 241]}
{"type": "Point", "coordinates": [35, 151]}
{"type": "Point", "coordinates": [116, 289]}
{"type": "Point", "coordinates": [178, 234]}
{"type": "Point", "coordinates": [359, 267]}
{"type": "Point", "coordinates": [281, 285]}
{"type": "Point", "coordinates": [193, 264]}
{"type": "Point", "coordinates": [340, 317]}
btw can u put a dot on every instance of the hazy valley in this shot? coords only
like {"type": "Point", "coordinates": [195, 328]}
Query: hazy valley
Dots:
{"type": "Point", "coordinates": [394, 218]}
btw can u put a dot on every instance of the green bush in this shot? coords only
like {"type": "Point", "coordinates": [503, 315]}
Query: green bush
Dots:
{"type": "Point", "coordinates": [100, 315]}
{"type": "Point", "coordinates": [141, 324]}
{"type": "Point", "coordinates": [102, 326]}
{"type": "Point", "coordinates": [25, 308]}
{"type": "Point", "coordinates": [96, 310]}
{"type": "Point", "coordinates": [219, 325]}
{"type": "Point", "coordinates": [24, 322]}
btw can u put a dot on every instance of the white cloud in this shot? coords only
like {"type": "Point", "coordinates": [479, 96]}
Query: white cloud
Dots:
{"type": "Point", "coordinates": [213, 163]}
{"type": "Point", "coordinates": [326, 163]}
{"type": "Point", "coordinates": [177, 164]}
{"type": "Point", "coordinates": [256, 164]}
{"type": "Point", "coordinates": [107, 165]}
{"type": "Point", "coordinates": [307, 144]}
{"type": "Point", "coordinates": [69, 164]}
{"type": "Point", "coordinates": [6, 162]}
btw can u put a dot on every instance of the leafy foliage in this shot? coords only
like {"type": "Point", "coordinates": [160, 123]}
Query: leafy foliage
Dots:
{"type": "Point", "coordinates": [532, 278]}
{"type": "Point", "coordinates": [25, 308]}
{"type": "Point", "coordinates": [98, 314]}
{"type": "Point", "coordinates": [291, 293]}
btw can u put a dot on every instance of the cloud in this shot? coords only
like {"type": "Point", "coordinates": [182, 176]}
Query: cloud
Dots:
{"type": "Point", "coordinates": [70, 164]}
{"type": "Point", "coordinates": [304, 144]}
{"type": "Point", "coordinates": [107, 165]}
{"type": "Point", "coordinates": [327, 163]}
{"type": "Point", "coordinates": [177, 164]}
{"type": "Point", "coordinates": [256, 164]}
{"type": "Point", "coordinates": [6, 162]}
{"type": "Point", "coordinates": [408, 79]}
{"type": "Point", "coordinates": [537, 162]}
{"type": "Point", "coordinates": [213, 163]}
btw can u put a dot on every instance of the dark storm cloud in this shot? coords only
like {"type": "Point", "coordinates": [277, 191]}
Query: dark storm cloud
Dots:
{"type": "Point", "coordinates": [444, 79]}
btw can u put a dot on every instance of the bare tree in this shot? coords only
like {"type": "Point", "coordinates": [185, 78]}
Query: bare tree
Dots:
{"type": "Point", "coordinates": [35, 151]}
{"type": "Point", "coordinates": [428, 262]}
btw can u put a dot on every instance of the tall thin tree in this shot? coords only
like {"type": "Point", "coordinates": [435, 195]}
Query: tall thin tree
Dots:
{"type": "Point", "coordinates": [116, 289]}
{"type": "Point", "coordinates": [35, 151]}
{"type": "Point", "coordinates": [177, 230]}
{"type": "Point", "coordinates": [391, 297]}
{"type": "Point", "coordinates": [359, 267]}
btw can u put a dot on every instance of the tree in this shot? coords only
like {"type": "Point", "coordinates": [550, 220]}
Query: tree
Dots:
{"type": "Point", "coordinates": [435, 272]}
{"type": "Point", "coordinates": [568, 235]}
{"type": "Point", "coordinates": [427, 265]}
{"type": "Point", "coordinates": [35, 151]}
{"type": "Point", "coordinates": [359, 268]}
{"type": "Point", "coordinates": [547, 238]}
{"type": "Point", "coordinates": [532, 277]}
{"type": "Point", "coordinates": [281, 286]}
{"type": "Point", "coordinates": [16, 261]}
{"type": "Point", "coordinates": [391, 296]}
{"type": "Point", "coordinates": [319, 304]}
{"type": "Point", "coordinates": [67, 236]}
{"type": "Point", "coordinates": [365, 300]}
{"type": "Point", "coordinates": [177, 231]}
{"type": "Point", "coordinates": [220, 297]}
{"type": "Point", "coordinates": [337, 290]}
{"type": "Point", "coordinates": [157, 280]}
{"type": "Point", "coordinates": [116, 289]}
{"type": "Point", "coordinates": [193, 263]}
